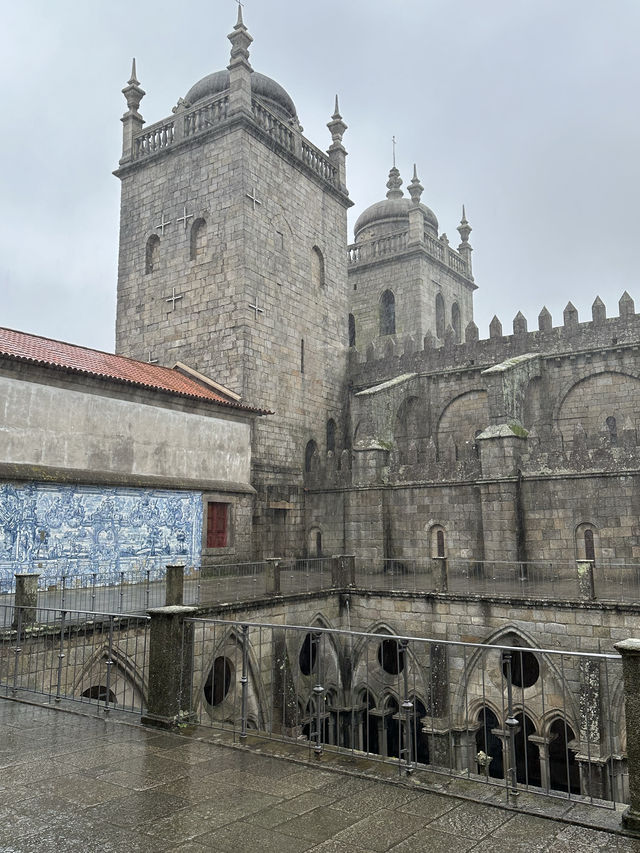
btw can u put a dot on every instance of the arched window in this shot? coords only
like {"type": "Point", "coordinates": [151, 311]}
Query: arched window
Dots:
{"type": "Point", "coordinates": [589, 546]}
{"type": "Point", "coordinates": [352, 330]}
{"type": "Point", "coordinates": [151, 253]}
{"type": "Point", "coordinates": [455, 321]}
{"type": "Point", "coordinates": [317, 267]}
{"type": "Point", "coordinates": [310, 453]}
{"type": "Point", "coordinates": [439, 316]}
{"type": "Point", "coordinates": [387, 313]}
{"type": "Point", "coordinates": [612, 429]}
{"type": "Point", "coordinates": [586, 542]}
{"type": "Point", "coordinates": [197, 243]}
{"type": "Point", "coordinates": [331, 435]}
{"type": "Point", "coordinates": [438, 546]}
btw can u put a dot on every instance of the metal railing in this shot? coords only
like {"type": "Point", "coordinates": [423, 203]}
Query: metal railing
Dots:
{"type": "Point", "coordinates": [525, 719]}
{"type": "Point", "coordinates": [93, 658]}
{"type": "Point", "coordinates": [554, 580]}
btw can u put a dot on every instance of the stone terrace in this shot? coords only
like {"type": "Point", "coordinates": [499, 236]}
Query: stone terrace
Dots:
{"type": "Point", "coordinates": [76, 783]}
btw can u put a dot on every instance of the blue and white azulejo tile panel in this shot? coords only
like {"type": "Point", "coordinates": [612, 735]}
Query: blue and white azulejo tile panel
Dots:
{"type": "Point", "coordinates": [59, 529]}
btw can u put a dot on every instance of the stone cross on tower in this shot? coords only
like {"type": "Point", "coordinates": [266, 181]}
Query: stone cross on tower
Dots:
{"type": "Point", "coordinates": [255, 309]}
{"type": "Point", "coordinates": [254, 198]}
{"type": "Point", "coordinates": [173, 298]}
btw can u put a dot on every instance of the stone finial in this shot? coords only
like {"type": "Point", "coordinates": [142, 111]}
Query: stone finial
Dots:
{"type": "Point", "coordinates": [414, 187]}
{"type": "Point", "coordinates": [464, 248]}
{"type": "Point", "coordinates": [429, 342]}
{"type": "Point", "coordinates": [471, 333]}
{"type": "Point", "coordinates": [626, 307]}
{"type": "Point", "coordinates": [598, 311]}
{"type": "Point", "coordinates": [570, 315]}
{"type": "Point", "coordinates": [240, 41]}
{"type": "Point", "coordinates": [444, 239]}
{"type": "Point", "coordinates": [520, 324]}
{"type": "Point", "coordinates": [464, 229]}
{"type": "Point", "coordinates": [132, 91]}
{"type": "Point", "coordinates": [370, 352]}
{"type": "Point", "coordinates": [545, 321]}
{"type": "Point", "coordinates": [336, 126]}
{"type": "Point", "coordinates": [495, 328]}
{"type": "Point", "coordinates": [394, 183]}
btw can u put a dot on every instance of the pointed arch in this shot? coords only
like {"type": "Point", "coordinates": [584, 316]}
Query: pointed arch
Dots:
{"type": "Point", "coordinates": [227, 647]}
{"type": "Point", "coordinates": [126, 683]}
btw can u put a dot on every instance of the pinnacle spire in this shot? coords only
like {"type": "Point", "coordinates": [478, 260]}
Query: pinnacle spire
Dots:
{"type": "Point", "coordinates": [239, 22]}
{"type": "Point", "coordinates": [415, 187]}
{"type": "Point", "coordinates": [336, 111]}
{"type": "Point", "coordinates": [134, 80]}
{"type": "Point", "coordinates": [464, 229]}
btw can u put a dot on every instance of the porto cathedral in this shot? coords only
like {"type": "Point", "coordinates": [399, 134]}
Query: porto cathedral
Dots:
{"type": "Point", "coordinates": [281, 391]}
{"type": "Point", "coordinates": [393, 431]}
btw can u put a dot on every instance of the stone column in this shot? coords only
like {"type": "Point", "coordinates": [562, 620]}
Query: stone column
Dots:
{"type": "Point", "coordinates": [170, 666]}
{"type": "Point", "coordinates": [440, 574]}
{"type": "Point", "coordinates": [174, 594]}
{"type": "Point", "coordinates": [272, 576]}
{"type": "Point", "coordinates": [543, 752]}
{"type": "Point", "coordinates": [630, 651]}
{"type": "Point", "coordinates": [343, 570]}
{"type": "Point", "coordinates": [586, 585]}
{"type": "Point", "coordinates": [26, 599]}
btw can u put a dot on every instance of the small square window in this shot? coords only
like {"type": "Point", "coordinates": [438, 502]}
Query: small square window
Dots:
{"type": "Point", "coordinates": [217, 524]}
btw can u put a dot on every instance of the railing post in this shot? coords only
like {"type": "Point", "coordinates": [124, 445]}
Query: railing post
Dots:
{"type": "Point", "coordinates": [109, 664]}
{"type": "Point", "coordinates": [60, 657]}
{"type": "Point", "coordinates": [440, 574]}
{"type": "Point", "coordinates": [318, 692]}
{"type": "Point", "coordinates": [93, 590]}
{"type": "Point", "coordinates": [174, 594]}
{"type": "Point", "coordinates": [586, 583]}
{"type": "Point", "coordinates": [26, 599]}
{"type": "Point", "coordinates": [272, 576]}
{"type": "Point", "coordinates": [630, 651]}
{"type": "Point", "coordinates": [170, 665]}
{"type": "Point", "coordinates": [121, 591]}
{"type": "Point", "coordinates": [343, 571]}
{"type": "Point", "coordinates": [244, 681]}
{"type": "Point", "coordinates": [16, 660]}
{"type": "Point", "coordinates": [407, 707]}
{"type": "Point", "coordinates": [512, 728]}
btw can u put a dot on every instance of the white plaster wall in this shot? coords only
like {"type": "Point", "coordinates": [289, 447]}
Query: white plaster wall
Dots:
{"type": "Point", "coordinates": [55, 427]}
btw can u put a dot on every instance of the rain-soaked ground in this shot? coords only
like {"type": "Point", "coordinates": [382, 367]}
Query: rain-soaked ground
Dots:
{"type": "Point", "coordinates": [75, 783]}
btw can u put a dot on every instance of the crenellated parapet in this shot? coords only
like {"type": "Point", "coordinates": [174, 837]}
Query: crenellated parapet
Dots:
{"type": "Point", "coordinates": [390, 356]}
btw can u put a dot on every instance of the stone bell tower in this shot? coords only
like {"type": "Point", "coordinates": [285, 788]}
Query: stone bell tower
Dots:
{"type": "Point", "coordinates": [233, 261]}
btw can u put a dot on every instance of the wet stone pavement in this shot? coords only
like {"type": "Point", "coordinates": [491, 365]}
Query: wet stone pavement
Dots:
{"type": "Point", "coordinates": [76, 783]}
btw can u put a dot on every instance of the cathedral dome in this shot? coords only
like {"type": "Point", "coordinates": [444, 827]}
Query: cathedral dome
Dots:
{"type": "Point", "coordinates": [272, 93]}
{"type": "Point", "coordinates": [392, 213]}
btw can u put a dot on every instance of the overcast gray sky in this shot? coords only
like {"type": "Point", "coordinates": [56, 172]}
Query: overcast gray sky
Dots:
{"type": "Point", "coordinates": [525, 110]}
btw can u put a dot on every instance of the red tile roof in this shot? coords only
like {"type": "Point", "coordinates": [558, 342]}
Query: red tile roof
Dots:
{"type": "Point", "coordinates": [20, 346]}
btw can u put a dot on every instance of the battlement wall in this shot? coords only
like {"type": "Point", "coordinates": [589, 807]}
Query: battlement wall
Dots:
{"type": "Point", "coordinates": [387, 357]}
